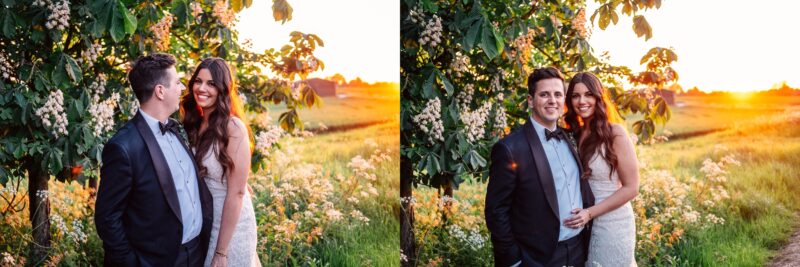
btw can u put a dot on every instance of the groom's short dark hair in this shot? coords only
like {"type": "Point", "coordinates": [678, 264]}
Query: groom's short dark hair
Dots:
{"type": "Point", "coordinates": [542, 74]}
{"type": "Point", "coordinates": [147, 72]}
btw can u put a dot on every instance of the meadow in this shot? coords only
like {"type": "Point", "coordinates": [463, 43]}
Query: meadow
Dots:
{"type": "Point", "coordinates": [727, 197]}
{"type": "Point", "coordinates": [355, 106]}
{"type": "Point", "coordinates": [323, 199]}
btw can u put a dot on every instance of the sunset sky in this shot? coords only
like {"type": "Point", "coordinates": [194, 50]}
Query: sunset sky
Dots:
{"type": "Point", "coordinates": [721, 45]}
{"type": "Point", "coordinates": [361, 36]}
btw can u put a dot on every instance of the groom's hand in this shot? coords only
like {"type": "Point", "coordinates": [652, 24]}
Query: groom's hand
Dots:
{"type": "Point", "coordinates": [579, 218]}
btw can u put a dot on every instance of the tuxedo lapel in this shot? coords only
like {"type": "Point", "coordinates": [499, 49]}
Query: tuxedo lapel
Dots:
{"type": "Point", "coordinates": [159, 164]}
{"type": "Point", "coordinates": [542, 166]}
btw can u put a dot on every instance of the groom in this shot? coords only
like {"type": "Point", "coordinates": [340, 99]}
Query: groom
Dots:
{"type": "Point", "coordinates": [152, 209]}
{"type": "Point", "coordinates": [535, 184]}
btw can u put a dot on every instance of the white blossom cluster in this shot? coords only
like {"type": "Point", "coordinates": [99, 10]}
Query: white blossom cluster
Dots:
{"type": "Point", "coordinates": [266, 139]}
{"type": "Point", "coordinates": [223, 13]}
{"type": "Point", "coordinates": [8, 259]}
{"type": "Point", "coordinates": [53, 110]}
{"type": "Point", "coordinates": [415, 15]}
{"type": "Point", "coordinates": [475, 121]}
{"type": "Point", "coordinates": [356, 214]}
{"type": "Point", "coordinates": [161, 31]}
{"type": "Point", "coordinates": [430, 120]}
{"type": "Point", "coordinates": [579, 24]}
{"type": "Point", "coordinates": [6, 68]}
{"type": "Point", "coordinates": [362, 168]}
{"type": "Point", "coordinates": [59, 13]}
{"type": "Point", "coordinates": [500, 120]}
{"type": "Point", "coordinates": [433, 32]}
{"type": "Point", "coordinates": [77, 234]}
{"type": "Point", "coordinates": [43, 194]}
{"type": "Point", "coordinates": [473, 239]}
{"type": "Point", "coordinates": [196, 10]}
{"type": "Point", "coordinates": [464, 98]}
{"type": "Point", "coordinates": [460, 64]}
{"type": "Point", "coordinates": [59, 223]}
{"type": "Point", "coordinates": [134, 106]}
{"type": "Point", "coordinates": [103, 114]}
{"type": "Point", "coordinates": [89, 56]}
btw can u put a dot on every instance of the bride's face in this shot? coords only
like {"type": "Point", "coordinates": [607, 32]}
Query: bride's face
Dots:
{"type": "Point", "coordinates": [205, 90]}
{"type": "Point", "coordinates": [583, 101]}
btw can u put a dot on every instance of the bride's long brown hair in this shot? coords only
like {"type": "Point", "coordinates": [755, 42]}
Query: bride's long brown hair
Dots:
{"type": "Point", "coordinates": [227, 105]}
{"type": "Point", "coordinates": [605, 113]}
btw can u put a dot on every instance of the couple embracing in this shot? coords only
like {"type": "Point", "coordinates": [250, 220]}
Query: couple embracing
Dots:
{"type": "Point", "coordinates": [163, 201]}
{"type": "Point", "coordinates": [561, 196]}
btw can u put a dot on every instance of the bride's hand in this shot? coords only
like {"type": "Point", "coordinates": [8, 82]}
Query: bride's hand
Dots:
{"type": "Point", "coordinates": [219, 261]}
{"type": "Point", "coordinates": [579, 218]}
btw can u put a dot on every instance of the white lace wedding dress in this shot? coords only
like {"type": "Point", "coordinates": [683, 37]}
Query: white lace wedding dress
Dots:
{"type": "Point", "coordinates": [242, 247]}
{"type": "Point", "coordinates": [614, 233]}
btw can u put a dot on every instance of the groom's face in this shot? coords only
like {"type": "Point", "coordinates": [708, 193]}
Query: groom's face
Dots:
{"type": "Point", "coordinates": [547, 102]}
{"type": "Point", "coordinates": [173, 89]}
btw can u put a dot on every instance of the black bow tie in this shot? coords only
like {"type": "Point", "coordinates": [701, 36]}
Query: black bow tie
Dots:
{"type": "Point", "coordinates": [171, 126]}
{"type": "Point", "coordinates": [557, 134]}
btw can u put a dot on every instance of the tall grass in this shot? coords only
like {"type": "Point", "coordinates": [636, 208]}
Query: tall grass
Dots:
{"type": "Point", "coordinates": [764, 191]}
{"type": "Point", "coordinates": [375, 244]}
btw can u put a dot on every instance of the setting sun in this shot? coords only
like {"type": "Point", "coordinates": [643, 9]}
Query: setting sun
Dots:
{"type": "Point", "coordinates": [363, 46]}
{"type": "Point", "coordinates": [721, 45]}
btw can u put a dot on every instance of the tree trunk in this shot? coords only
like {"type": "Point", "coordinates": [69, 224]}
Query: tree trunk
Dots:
{"type": "Point", "coordinates": [408, 244]}
{"type": "Point", "coordinates": [39, 214]}
{"type": "Point", "coordinates": [447, 198]}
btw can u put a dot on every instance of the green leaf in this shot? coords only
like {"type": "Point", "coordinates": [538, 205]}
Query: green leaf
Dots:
{"type": "Point", "coordinates": [433, 166]}
{"type": "Point", "coordinates": [448, 87]}
{"type": "Point", "coordinates": [428, 90]}
{"type": "Point", "coordinates": [476, 160]}
{"type": "Point", "coordinates": [73, 70]}
{"type": "Point", "coordinates": [489, 42]}
{"type": "Point", "coordinates": [641, 27]}
{"type": "Point", "coordinates": [9, 25]}
{"type": "Point", "coordinates": [129, 20]}
{"type": "Point", "coordinates": [472, 34]}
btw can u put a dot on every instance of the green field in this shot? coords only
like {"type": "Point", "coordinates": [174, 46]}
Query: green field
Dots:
{"type": "Point", "coordinates": [358, 106]}
{"type": "Point", "coordinates": [765, 195]}
{"type": "Point", "coordinates": [704, 113]}
{"type": "Point", "coordinates": [376, 244]}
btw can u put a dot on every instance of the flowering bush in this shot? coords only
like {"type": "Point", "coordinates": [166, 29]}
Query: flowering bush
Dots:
{"type": "Point", "coordinates": [74, 242]}
{"type": "Point", "coordinates": [297, 204]}
{"type": "Point", "coordinates": [453, 231]}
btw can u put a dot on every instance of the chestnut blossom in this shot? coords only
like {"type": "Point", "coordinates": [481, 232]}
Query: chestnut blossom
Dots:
{"type": "Point", "coordinates": [196, 10]}
{"type": "Point", "coordinates": [475, 121]}
{"type": "Point", "coordinates": [223, 13]}
{"type": "Point", "coordinates": [161, 32]}
{"type": "Point", "coordinates": [430, 121]}
{"type": "Point", "coordinates": [53, 115]}
{"type": "Point", "coordinates": [432, 34]}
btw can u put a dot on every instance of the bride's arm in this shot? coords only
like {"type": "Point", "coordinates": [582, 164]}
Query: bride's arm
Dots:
{"type": "Point", "coordinates": [239, 151]}
{"type": "Point", "coordinates": [628, 170]}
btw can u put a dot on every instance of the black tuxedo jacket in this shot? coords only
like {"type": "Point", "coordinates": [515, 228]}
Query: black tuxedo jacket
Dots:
{"type": "Point", "coordinates": [137, 213]}
{"type": "Point", "coordinates": [521, 204]}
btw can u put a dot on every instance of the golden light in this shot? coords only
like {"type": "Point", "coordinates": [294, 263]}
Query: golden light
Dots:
{"type": "Point", "coordinates": [721, 46]}
{"type": "Point", "coordinates": [363, 45]}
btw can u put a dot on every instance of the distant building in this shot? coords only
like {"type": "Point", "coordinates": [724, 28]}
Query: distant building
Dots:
{"type": "Point", "coordinates": [322, 87]}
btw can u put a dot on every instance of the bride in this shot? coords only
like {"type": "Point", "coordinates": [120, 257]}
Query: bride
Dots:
{"type": "Point", "coordinates": [220, 138]}
{"type": "Point", "coordinates": [609, 163]}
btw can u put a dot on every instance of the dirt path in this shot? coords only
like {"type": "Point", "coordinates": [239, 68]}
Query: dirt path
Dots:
{"type": "Point", "coordinates": [789, 255]}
